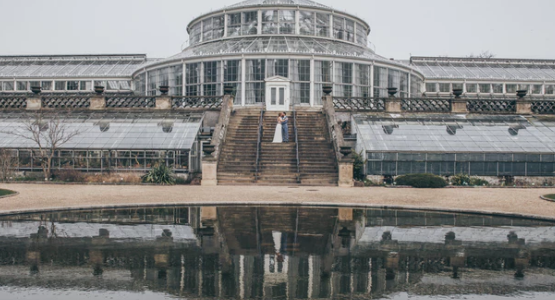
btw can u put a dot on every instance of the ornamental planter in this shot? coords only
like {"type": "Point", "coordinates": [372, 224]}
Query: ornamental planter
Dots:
{"type": "Point", "coordinates": [208, 149]}
{"type": "Point", "coordinates": [228, 89]}
{"type": "Point", "coordinates": [345, 150]}
{"type": "Point", "coordinates": [36, 90]}
{"type": "Point", "coordinates": [164, 89]}
{"type": "Point", "coordinates": [99, 90]}
{"type": "Point", "coordinates": [458, 93]}
{"type": "Point", "coordinates": [521, 93]}
{"type": "Point", "coordinates": [327, 89]}
{"type": "Point", "coordinates": [392, 92]}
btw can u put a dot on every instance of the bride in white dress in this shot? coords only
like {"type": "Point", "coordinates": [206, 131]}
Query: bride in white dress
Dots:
{"type": "Point", "coordinates": [277, 136]}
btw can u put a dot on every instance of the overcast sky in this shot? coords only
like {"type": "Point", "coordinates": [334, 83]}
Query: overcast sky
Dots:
{"type": "Point", "coordinates": [400, 28]}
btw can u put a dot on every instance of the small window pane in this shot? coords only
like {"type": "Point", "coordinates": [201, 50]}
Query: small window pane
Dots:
{"type": "Point", "coordinates": [22, 85]}
{"type": "Point", "coordinates": [72, 85]}
{"type": "Point", "coordinates": [8, 86]}
{"type": "Point", "coordinates": [497, 88]}
{"type": "Point", "coordinates": [445, 87]}
{"type": "Point", "coordinates": [46, 85]}
{"type": "Point", "coordinates": [537, 89]}
{"type": "Point", "coordinates": [60, 86]}
{"type": "Point", "coordinates": [550, 89]}
{"type": "Point", "coordinates": [511, 88]}
{"type": "Point", "coordinates": [485, 88]}
{"type": "Point", "coordinates": [431, 87]}
{"type": "Point", "coordinates": [457, 86]}
{"type": "Point", "coordinates": [471, 88]}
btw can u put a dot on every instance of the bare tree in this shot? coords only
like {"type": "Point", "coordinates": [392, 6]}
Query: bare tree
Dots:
{"type": "Point", "coordinates": [7, 164]}
{"type": "Point", "coordinates": [484, 54]}
{"type": "Point", "coordinates": [48, 135]}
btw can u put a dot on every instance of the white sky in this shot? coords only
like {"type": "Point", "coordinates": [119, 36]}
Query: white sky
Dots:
{"type": "Point", "coordinates": [507, 28]}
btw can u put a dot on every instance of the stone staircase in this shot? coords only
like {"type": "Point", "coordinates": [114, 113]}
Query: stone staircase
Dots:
{"type": "Point", "coordinates": [237, 160]}
{"type": "Point", "coordinates": [318, 164]}
{"type": "Point", "coordinates": [278, 162]}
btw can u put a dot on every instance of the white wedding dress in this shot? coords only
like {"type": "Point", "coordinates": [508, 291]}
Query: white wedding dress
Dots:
{"type": "Point", "coordinates": [277, 136]}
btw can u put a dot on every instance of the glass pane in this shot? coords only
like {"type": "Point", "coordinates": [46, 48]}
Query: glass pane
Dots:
{"type": "Point", "coordinates": [274, 96]}
{"type": "Point", "coordinates": [282, 96]}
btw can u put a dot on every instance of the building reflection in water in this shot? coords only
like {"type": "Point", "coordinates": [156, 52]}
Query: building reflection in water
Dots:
{"type": "Point", "coordinates": [277, 252]}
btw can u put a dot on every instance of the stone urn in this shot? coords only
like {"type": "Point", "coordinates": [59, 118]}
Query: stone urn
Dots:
{"type": "Point", "coordinates": [99, 90]}
{"type": "Point", "coordinates": [164, 89]}
{"type": "Point", "coordinates": [208, 149]}
{"type": "Point", "coordinates": [36, 90]}
{"type": "Point", "coordinates": [521, 93]}
{"type": "Point", "coordinates": [392, 91]}
{"type": "Point", "coordinates": [327, 89]}
{"type": "Point", "coordinates": [228, 89]}
{"type": "Point", "coordinates": [458, 93]}
{"type": "Point", "coordinates": [345, 150]}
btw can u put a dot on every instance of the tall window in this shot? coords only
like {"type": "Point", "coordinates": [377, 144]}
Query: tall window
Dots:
{"type": "Point", "coordinates": [415, 86]}
{"type": "Point", "coordinates": [323, 71]}
{"type": "Point", "coordinates": [232, 76]}
{"type": "Point", "coordinates": [380, 82]}
{"type": "Point", "coordinates": [196, 33]}
{"type": "Point", "coordinates": [176, 80]}
{"type": "Point", "coordinates": [343, 79]}
{"type": "Point", "coordinates": [362, 37]}
{"type": "Point", "coordinates": [140, 84]}
{"type": "Point", "coordinates": [300, 77]}
{"type": "Point", "coordinates": [212, 78]}
{"type": "Point", "coordinates": [362, 81]}
{"type": "Point", "coordinates": [306, 23]}
{"type": "Point", "coordinates": [213, 28]}
{"type": "Point", "coordinates": [192, 79]}
{"type": "Point", "coordinates": [255, 86]}
{"type": "Point", "coordinates": [278, 22]}
{"type": "Point", "coordinates": [322, 24]}
{"type": "Point", "coordinates": [344, 29]}
{"type": "Point", "coordinates": [234, 24]}
{"type": "Point", "coordinates": [277, 67]}
{"type": "Point", "coordinates": [250, 23]}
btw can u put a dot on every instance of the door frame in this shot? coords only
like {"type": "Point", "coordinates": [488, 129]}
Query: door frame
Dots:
{"type": "Point", "coordinates": [278, 82]}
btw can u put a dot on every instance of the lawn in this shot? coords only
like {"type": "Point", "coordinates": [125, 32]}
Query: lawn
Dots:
{"type": "Point", "coordinates": [5, 192]}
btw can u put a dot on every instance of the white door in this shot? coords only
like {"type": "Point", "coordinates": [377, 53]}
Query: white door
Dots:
{"type": "Point", "coordinates": [277, 97]}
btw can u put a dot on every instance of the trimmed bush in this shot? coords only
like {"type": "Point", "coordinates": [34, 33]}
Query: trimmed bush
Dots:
{"type": "Point", "coordinates": [465, 180]}
{"type": "Point", "coordinates": [159, 174]}
{"type": "Point", "coordinates": [5, 192]}
{"type": "Point", "coordinates": [422, 181]}
{"type": "Point", "coordinates": [358, 166]}
{"type": "Point", "coordinates": [69, 175]}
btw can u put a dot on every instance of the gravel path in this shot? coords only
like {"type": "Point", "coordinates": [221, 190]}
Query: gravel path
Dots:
{"type": "Point", "coordinates": [39, 196]}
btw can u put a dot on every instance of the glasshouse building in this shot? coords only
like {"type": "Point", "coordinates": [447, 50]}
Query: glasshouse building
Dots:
{"type": "Point", "coordinates": [452, 115]}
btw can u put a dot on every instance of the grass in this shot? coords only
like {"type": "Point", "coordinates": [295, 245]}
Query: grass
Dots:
{"type": "Point", "coordinates": [5, 192]}
{"type": "Point", "coordinates": [550, 197]}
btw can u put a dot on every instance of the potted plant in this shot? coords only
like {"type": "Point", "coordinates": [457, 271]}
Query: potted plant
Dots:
{"type": "Point", "coordinates": [164, 89]}
{"type": "Point", "coordinates": [99, 90]}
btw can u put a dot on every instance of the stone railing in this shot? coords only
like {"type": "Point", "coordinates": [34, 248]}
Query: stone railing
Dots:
{"type": "Point", "coordinates": [344, 164]}
{"type": "Point", "coordinates": [355, 103]}
{"type": "Point", "coordinates": [13, 102]}
{"type": "Point", "coordinates": [220, 131]}
{"type": "Point", "coordinates": [461, 105]}
{"type": "Point", "coordinates": [205, 102]}
{"type": "Point", "coordinates": [107, 102]}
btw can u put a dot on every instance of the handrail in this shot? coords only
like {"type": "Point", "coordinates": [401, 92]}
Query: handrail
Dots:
{"type": "Point", "coordinates": [259, 143]}
{"type": "Point", "coordinates": [297, 145]}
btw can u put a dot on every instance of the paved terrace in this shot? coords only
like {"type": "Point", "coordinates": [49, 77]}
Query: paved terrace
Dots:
{"type": "Point", "coordinates": [509, 200]}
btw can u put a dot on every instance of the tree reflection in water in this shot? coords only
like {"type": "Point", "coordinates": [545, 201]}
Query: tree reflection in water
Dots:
{"type": "Point", "coordinates": [275, 252]}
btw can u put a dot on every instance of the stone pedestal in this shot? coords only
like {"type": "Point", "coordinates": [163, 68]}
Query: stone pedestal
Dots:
{"type": "Point", "coordinates": [523, 107]}
{"type": "Point", "coordinates": [346, 173]}
{"type": "Point", "coordinates": [208, 213]}
{"type": "Point", "coordinates": [393, 105]}
{"type": "Point", "coordinates": [164, 102]}
{"type": "Point", "coordinates": [34, 103]}
{"type": "Point", "coordinates": [345, 214]}
{"type": "Point", "coordinates": [97, 103]}
{"type": "Point", "coordinates": [458, 106]}
{"type": "Point", "coordinates": [209, 172]}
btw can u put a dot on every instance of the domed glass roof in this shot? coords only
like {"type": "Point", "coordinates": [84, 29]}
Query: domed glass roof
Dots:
{"type": "Point", "coordinates": [249, 3]}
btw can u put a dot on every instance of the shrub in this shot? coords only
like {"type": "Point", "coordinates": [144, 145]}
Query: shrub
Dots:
{"type": "Point", "coordinates": [159, 174]}
{"type": "Point", "coordinates": [358, 166]}
{"type": "Point", "coordinates": [69, 175]}
{"type": "Point", "coordinates": [422, 181]}
{"type": "Point", "coordinates": [465, 180]}
{"type": "Point", "coordinates": [114, 178]}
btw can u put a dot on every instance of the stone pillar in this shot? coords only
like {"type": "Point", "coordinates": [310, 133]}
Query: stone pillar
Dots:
{"type": "Point", "coordinates": [97, 103]}
{"type": "Point", "coordinates": [34, 103]}
{"type": "Point", "coordinates": [393, 105]}
{"type": "Point", "coordinates": [208, 213]}
{"type": "Point", "coordinates": [523, 107]}
{"type": "Point", "coordinates": [346, 173]}
{"type": "Point", "coordinates": [164, 102]}
{"type": "Point", "coordinates": [345, 214]}
{"type": "Point", "coordinates": [209, 171]}
{"type": "Point", "coordinates": [458, 106]}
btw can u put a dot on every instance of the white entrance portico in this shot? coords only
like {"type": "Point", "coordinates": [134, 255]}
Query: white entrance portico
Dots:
{"type": "Point", "coordinates": [277, 93]}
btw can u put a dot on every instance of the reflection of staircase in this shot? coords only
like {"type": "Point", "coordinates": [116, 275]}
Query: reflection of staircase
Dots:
{"type": "Point", "coordinates": [278, 162]}
{"type": "Point", "coordinates": [237, 160]}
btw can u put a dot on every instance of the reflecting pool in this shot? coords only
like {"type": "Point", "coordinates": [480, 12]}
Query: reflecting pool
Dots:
{"type": "Point", "coordinates": [274, 252]}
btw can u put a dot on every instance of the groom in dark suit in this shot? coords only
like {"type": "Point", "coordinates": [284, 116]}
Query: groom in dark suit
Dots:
{"type": "Point", "coordinates": [285, 128]}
